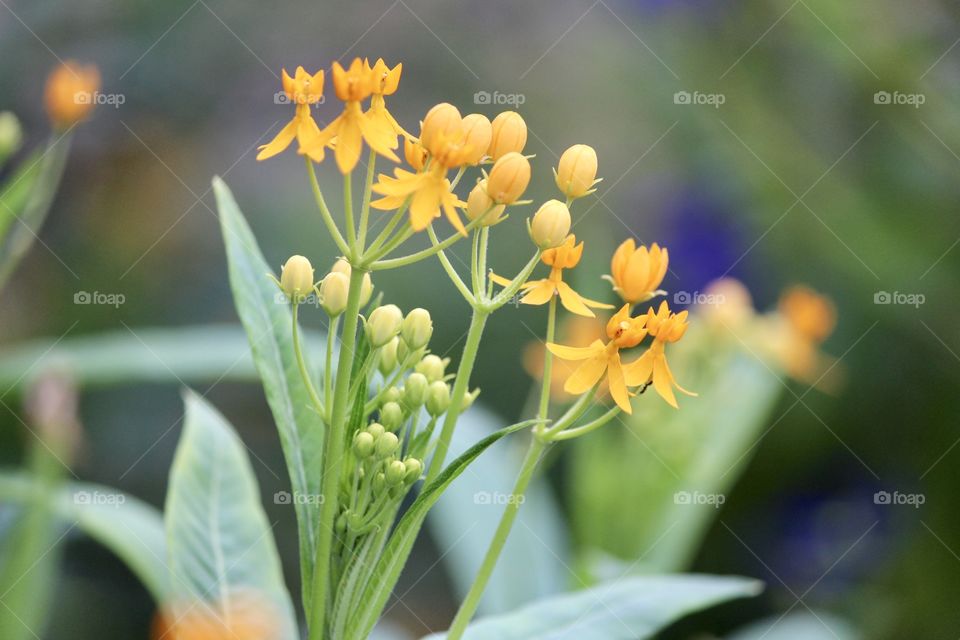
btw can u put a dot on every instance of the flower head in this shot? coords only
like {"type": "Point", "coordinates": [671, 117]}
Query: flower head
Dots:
{"type": "Point", "coordinates": [636, 272]}
{"type": "Point", "coordinates": [623, 332]}
{"type": "Point", "coordinates": [69, 93]}
{"type": "Point", "coordinates": [538, 292]}
{"type": "Point", "coordinates": [303, 90]}
{"type": "Point", "coordinates": [664, 326]}
{"type": "Point", "coordinates": [385, 83]}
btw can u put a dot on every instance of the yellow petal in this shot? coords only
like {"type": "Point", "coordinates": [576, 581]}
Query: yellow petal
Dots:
{"type": "Point", "coordinates": [572, 301]}
{"type": "Point", "coordinates": [587, 374]}
{"type": "Point", "coordinates": [449, 210]}
{"type": "Point", "coordinates": [663, 380]}
{"type": "Point", "coordinates": [575, 353]}
{"type": "Point", "coordinates": [618, 388]}
{"type": "Point", "coordinates": [311, 139]}
{"type": "Point", "coordinates": [349, 145]}
{"type": "Point", "coordinates": [379, 136]}
{"type": "Point", "coordinates": [540, 292]}
{"type": "Point", "coordinates": [504, 282]}
{"type": "Point", "coordinates": [280, 142]}
{"type": "Point", "coordinates": [639, 371]}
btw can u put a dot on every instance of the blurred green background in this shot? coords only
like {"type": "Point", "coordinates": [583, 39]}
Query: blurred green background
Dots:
{"type": "Point", "coordinates": [804, 173]}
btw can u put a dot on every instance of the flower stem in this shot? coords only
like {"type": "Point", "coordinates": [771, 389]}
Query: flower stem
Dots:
{"type": "Point", "coordinates": [472, 601]}
{"type": "Point", "coordinates": [325, 212]}
{"type": "Point", "coordinates": [544, 405]}
{"type": "Point", "coordinates": [333, 454]}
{"type": "Point", "coordinates": [348, 213]}
{"type": "Point", "coordinates": [301, 363]}
{"type": "Point", "coordinates": [367, 196]}
{"type": "Point", "coordinates": [576, 432]}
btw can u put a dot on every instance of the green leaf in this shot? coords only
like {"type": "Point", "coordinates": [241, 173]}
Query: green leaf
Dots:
{"type": "Point", "coordinates": [627, 609]}
{"type": "Point", "coordinates": [15, 191]}
{"type": "Point", "coordinates": [373, 598]}
{"type": "Point", "coordinates": [130, 528]}
{"type": "Point", "coordinates": [268, 325]}
{"type": "Point", "coordinates": [809, 625]}
{"type": "Point", "coordinates": [220, 544]}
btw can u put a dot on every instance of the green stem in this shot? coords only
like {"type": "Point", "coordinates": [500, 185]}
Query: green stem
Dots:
{"type": "Point", "coordinates": [451, 271]}
{"type": "Point", "coordinates": [460, 387]}
{"type": "Point", "coordinates": [472, 601]}
{"type": "Point", "coordinates": [510, 290]}
{"type": "Point", "coordinates": [367, 196]}
{"type": "Point", "coordinates": [301, 363]}
{"type": "Point", "coordinates": [437, 247]}
{"type": "Point", "coordinates": [333, 454]}
{"type": "Point", "coordinates": [348, 214]}
{"type": "Point", "coordinates": [544, 405]}
{"type": "Point", "coordinates": [325, 212]}
{"type": "Point", "coordinates": [569, 434]}
{"type": "Point", "coordinates": [328, 364]}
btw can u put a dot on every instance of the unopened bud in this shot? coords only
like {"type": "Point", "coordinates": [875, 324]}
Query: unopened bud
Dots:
{"type": "Point", "coordinates": [366, 288]}
{"type": "Point", "coordinates": [417, 328]}
{"type": "Point", "coordinates": [296, 278]}
{"type": "Point", "coordinates": [395, 473]}
{"type": "Point", "coordinates": [441, 122]}
{"type": "Point", "coordinates": [415, 390]}
{"type": "Point", "coordinates": [363, 444]}
{"type": "Point", "coordinates": [376, 430]}
{"type": "Point", "coordinates": [391, 395]}
{"type": "Point", "coordinates": [383, 324]}
{"type": "Point", "coordinates": [11, 135]}
{"type": "Point", "coordinates": [379, 482]}
{"type": "Point", "coordinates": [550, 225]}
{"type": "Point", "coordinates": [509, 134]}
{"type": "Point", "coordinates": [333, 292]}
{"type": "Point", "coordinates": [414, 469]}
{"type": "Point", "coordinates": [479, 133]}
{"type": "Point", "coordinates": [354, 519]}
{"type": "Point", "coordinates": [480, 204]}
{"type": "Point", "coordinates": [432, 366]}
{"type": "Point", "coordinates": [468, 398]}
{"type": "Point", "coordinates": [508, 178]}
{"type": "Point", "coordinates": [577, 170]}
{"type": "Point", "coordinates": [438, 398]}
{"type": "Point", "coordinates": [387, 444]}
{"type": "Point", "coordinates": [388, 357]}
{"type": "Point", "coordinates": [391, 416]}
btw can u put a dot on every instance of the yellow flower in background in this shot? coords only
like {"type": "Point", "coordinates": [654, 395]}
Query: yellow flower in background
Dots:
{"type": "Point", "coordinates": [353, 127]}
{"type": "Point", "coordinates": [538, 292]}
{"type": "Point", "coordinates": [664, 326]}
{"type": "Point", "coordinates": [811, 315]}
{"type": "Point", "coordinates": [637, 272]}
{"type": "Point", "coordinates": [70, 91]}
{"type": "Point", "coordinates": [385, 83]}
{"type": "Point", "coordinates": [303, 90]}
{"type": "Point", "coordinates": [598, 359]}
{"type": "Point", "coordinates": [793, 335]}
{"type": "Point", "coordinates": [250, 616]}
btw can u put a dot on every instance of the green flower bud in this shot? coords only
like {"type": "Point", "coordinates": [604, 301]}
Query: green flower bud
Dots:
{"type": "Point", "coordinates": [414, 469]}
{"type": "Point", "coordinates": [432, 366]}
{"type": "Point", "coordinates": [391, 415]}
{"type": "Point", "coordinates": [415, 390]}
{"type": "Point", "coordinates": [391, 395]}
{"type": "Point", "coordinates": [438, 398]}
{"type": "Point", "coordinates": [366, 289]}
{"type": "Point", "coordinates": [383, 324]}
{"type": "Point", "coordinates": [395, 473]}
{"type": "Point", "coordinates": [376, 430]}
{"type": "Point", "coordinates": [379, 482]}
{"type": "Point", "coordinates": [354, 519]}
{"type": "Point", "coordinates": [387, 444]}
{"type": "Point", "coordinates": [363, 444]}
{"type": "Point", "coordinates": [11, 135]}
{"type": "Point", "coordinates": [334, 291]}
{"type": "Point", "coordinates": [296, 278]}
{"type": "Point", "coordinates": [388, 357]}
{"type": "Point", "coordinates": [417, 328]}
{"type": "Point", "coordinates": [468, 399]}
{"type": "Point", "coordinates": [341, 524]}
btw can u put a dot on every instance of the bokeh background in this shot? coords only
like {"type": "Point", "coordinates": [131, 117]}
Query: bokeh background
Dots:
{"type": "Point", "coordinates": [802, 174]}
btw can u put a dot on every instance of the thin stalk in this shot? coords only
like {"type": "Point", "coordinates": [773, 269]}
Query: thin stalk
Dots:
{"type": "Point", "coordinates": [367, 196]}
{"type": "Point", "coordinates": [301, 363]}
{"type": "Point", "coordinates": [333, 454]}
{"type": "Point", "coordinates": [544, 406]}
{"type": "Point", "coordinates": [437, 247]}
{"type": "Point", "coordinates": [325, 212]}
{"type": "Point", "coordinates": [451, 271]}
{"type": "Point", "coordinates": [348, 214]}
{"type": "Point", "coordinates": [511, 290]}
{"type": "Point", "coordinates": [328, 363]}
{"type": "Point", "coordinates": [576, 432]}
{"type": "Point", "coordinates": [475, 267]}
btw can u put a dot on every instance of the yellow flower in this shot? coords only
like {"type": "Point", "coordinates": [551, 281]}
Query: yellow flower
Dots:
{"type": "Point", "coordinates": [665, 326]}
{"type": "Point", "coordinates": [385, 83]}
{"type": "Point", "coordinates": [303, 90]}
{"type": "Point", "coordinates": [577, 171]}
{"type": "Point", "coordinates": [637, 272]}
{"type": "Point", "coordinates": [69, 95]}
{"type": "Point", "coordinates": [509, 134]}
{"type": "Point", "coordinates": [479, 133]}
{"type": "Point", "coordinates": [598, 359]}
{"type": "Point", "coordinates": [566, 256]}
{"type": "Point", "coordinates": [353, 127]}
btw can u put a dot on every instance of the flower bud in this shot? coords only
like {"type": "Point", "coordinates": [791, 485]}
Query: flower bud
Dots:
{"type": "Point", "coordinates": [11, 135]}
{"type": "Point", "coordinates": [391, 416]}
{"type": "Point", "coordinates": [479, 203]}
{"type": "Point", "coordinates": [551, 224]}
{"type": "Point", "coordinates": [387, 444]}
{"type": "Point", "coordinates": [333, 293]}
{"type": "Point", "coordinates": [395, 473]}
{"type": "Point", "coordinates": [296, 278]}
{"type": "Point", "coordinates": [414, 469]}
{"type": "Point", "coordinates": [69, 94]}
{"type": "Point", "coordinates": [366, 288]}
{"type": "Point", "coordinates": [577, 170]}
{"type": "Point", "coordinates": [417, 328]}
{"type": "Point", "coordinates": [509, 134]}
{"type": "Point", "coordinates": [388, 357]}
{"type": "Point", "coordinates": [384, 324]}
{"type": "Point", "coordinates": [391, 395]}
{"type": "Point", "coordinates": [415, 390]}
{"type": "Point", "coordinates": [468, 398]}
{"type": "Point", "coordinates": [354, 519]}
{"type": "Point", "coordinates": [379, 482]}
{"type": "Point", "coordinates": [363, 444]}
{"type": "Point", "coordinates": [440, 123]}
{"type": "Point", "coordinates": [375, 429]}
{"type": "Point", "coordinates": [432, 366]}
{"type": "Point", "coordinates": [479, 133]}
{"type": "Point", "coordinates": [438, 398]}
{"type": "Point", "coordinates": [508, 178]}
